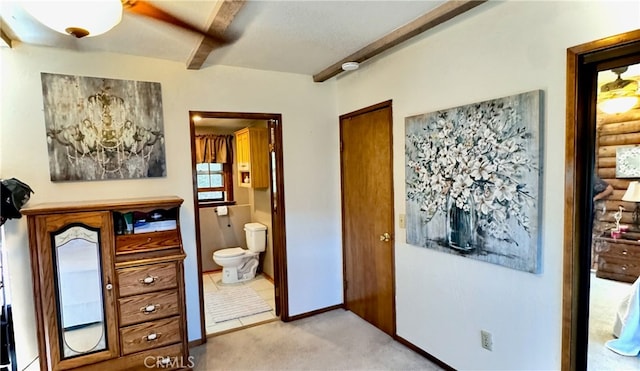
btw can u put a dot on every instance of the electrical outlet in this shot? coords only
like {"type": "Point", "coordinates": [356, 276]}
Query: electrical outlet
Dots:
{"type": "Point", "coordinates": [403, 221]}
{"type": "Point", "coordinates": [486, 340]}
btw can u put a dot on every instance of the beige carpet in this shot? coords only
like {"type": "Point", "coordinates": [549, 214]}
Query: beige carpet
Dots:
{"type": "Point", "coordinates": [233, 302]}
{"type": "Point", "coordinates": [336, 340]}
{"type": "Point", "coordinates": [606, 296]}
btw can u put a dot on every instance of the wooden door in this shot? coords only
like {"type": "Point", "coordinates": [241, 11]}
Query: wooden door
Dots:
{"type": "Point", "coordinates": [242, 145]}
{"type": "Point", "coordinates": [67, 312]}
{"type": "Point", "coordinates": [367, 214]}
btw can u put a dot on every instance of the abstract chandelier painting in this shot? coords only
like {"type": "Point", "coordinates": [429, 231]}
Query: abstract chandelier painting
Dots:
{"type": "Point", "coordinates": [473, 180]}
{"type": "Point", "coordinates": [100, 128]}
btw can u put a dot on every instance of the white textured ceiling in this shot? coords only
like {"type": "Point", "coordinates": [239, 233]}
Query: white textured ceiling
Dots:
{"type": "Point", "coordinates": [299, 36]}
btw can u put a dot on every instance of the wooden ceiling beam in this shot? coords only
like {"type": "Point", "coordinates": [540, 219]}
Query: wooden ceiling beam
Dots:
{"type": "Point", "coordinates": [5, 40]}
{"type": "Point", "coordinates": [425, 22]}
{"type": "Point", "coordinates": [222, 17]}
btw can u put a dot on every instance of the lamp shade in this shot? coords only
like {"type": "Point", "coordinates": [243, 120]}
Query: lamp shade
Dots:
{"type": "Point", "coordinates": [619, 95]}
{"type": "Point", "coordinates": [78, 18]}
{"type": "Point", "coordinates": [633, 192]}
{"type": "Point", "coordinates": [618, 104]}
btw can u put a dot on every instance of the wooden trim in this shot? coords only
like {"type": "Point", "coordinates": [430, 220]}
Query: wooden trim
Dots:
{"type": "Point", "coordinates": [568, 308]}
{"type": "Point", "coordinates": [223, 15]}
{"type": "Point", "coordinates": [197, 342]}
{"type": "Point", "coordinates": [392, 221]}
{"type": "Point", "coordinates": [433, 18]}
{"type": "Point", "coordinates": [196, 208]}
{"type": "Point", "coordinates": [228, 180]}
{"type": "Point", "coordinates": [280, 278]}
{"type": "Point", "coordinates": [313, 313]}
{"type": "Point", "coordinates": [267, 277]}
{"type": "Point", "coordinates": [235, 115]}
{"type": "Point", "coordinates": [578, 169]}
{"type": "Point", "coordinates": [423, 353]}
{"type": "Point", "coordinates": [37, 295]}
{"type": "Point", "coordinates": [371, 108]}
{"type": "Point", "coordinates": [203, 205]}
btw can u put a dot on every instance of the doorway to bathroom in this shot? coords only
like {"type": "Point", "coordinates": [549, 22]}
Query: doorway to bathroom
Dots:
{"type": "Point", "coordinates": [239, 202]}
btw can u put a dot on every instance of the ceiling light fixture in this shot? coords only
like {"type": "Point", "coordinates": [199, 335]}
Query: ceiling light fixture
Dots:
{"type": "Point", "coordinates": [77, 18]}
{"type": "Point", "coordinates": [350, 66]}
{"type": "Point", "coordinates": [618, 96]}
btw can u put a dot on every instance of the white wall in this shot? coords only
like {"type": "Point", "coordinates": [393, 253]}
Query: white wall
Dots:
{"type": "Point", "coordinates": [496, 50]}
{"type": "Point", "coordinates": [309, 132]}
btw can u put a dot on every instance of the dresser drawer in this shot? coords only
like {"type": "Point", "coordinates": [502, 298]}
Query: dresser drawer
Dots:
{"type": "Point", "coordinates": [147, 278]}
{"type": "Point", "coordinates": [170, 357]}
{"type": "Point", "coordinates": [146, 307]}
{"type": "Point", "coordinates": [133, 243]}
{"type": "Point", "coordinates": [150, 335]}
{"type": "Point", "coordinates": [620, 249]}
{"type": "Point", "coordinates": [166, 358]}
{"type": "Point", "coordinates": [617, 268]}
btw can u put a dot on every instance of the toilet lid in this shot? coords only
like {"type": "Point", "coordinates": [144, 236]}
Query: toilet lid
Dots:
{"type": "Point", "coordinates": [230, 252]}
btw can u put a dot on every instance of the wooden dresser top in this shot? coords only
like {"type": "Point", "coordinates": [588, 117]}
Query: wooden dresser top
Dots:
{"type": "Point", "coordinates": [122, 204]}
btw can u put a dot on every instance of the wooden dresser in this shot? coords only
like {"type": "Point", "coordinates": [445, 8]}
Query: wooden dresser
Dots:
{"type": "Point", "coordinates": [108, 283]}
{"type": "Point", "coordinates": [619, 259]}
{"type": "Point", "coordinates": [615, 259]}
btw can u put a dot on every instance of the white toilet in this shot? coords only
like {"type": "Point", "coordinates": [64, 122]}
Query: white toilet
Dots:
{"type": "Point", "coordinates": [238, 264]}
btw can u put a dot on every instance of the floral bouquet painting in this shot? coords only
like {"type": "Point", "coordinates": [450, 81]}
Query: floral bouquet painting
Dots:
{"type": "Point", "coordinates": [473, 180]}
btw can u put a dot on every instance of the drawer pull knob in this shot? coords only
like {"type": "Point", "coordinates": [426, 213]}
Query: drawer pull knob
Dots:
{"type": "Point", "coordinates": [150, 308]}
{"type": "Point", "coordinates": [148, 280]}
{"type": "Point", "coordinates": [624, 252]}
{"type": "Point", "coordinates": [149, 239]}
{"type": "Point", "coordinates": [624, 267]}
{"type": "Point", "coordinates": [109, 286]}
{"type": "Point", "coordinates": [151, 337]}
{"type": "Point", "coordinates": [165, 361]}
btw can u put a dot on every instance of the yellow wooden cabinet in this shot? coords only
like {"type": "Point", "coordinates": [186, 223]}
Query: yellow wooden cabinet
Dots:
{"type": "Point", "coordinates": [252, 159]}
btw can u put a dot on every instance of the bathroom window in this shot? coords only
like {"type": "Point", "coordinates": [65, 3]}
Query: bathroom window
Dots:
{"type": "Point", "coordinates": [214, 182]}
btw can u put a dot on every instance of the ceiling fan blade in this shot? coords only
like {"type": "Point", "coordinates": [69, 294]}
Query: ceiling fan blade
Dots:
{"type": "Point", "coordinates": [146, 9]}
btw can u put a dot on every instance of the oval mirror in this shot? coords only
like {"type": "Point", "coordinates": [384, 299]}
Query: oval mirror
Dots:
{"type": "Point", "coordinates": [79, 290]}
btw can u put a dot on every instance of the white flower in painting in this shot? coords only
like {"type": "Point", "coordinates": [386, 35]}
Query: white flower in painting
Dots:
{"type": "Point", "coordinates": [477, 156]}
{"type": "Point", "coordinates": [504, 191]}
{"type": "Point", "coordinates": [484, 202]}
{"type": "Point", "coordinates": [461, 190]}
{"type": "Point", "coordinates": [481, 169]}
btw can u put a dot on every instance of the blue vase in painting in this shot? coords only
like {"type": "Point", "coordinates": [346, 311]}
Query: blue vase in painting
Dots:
{"type": "Point", "coordinates": [461, 234]}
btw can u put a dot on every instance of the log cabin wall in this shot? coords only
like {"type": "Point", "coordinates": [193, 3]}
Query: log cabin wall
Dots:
{"type": "Point", "coordinates": [614, 131]}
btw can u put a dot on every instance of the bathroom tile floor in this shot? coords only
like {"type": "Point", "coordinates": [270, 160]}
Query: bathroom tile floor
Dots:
{"type": "Point", "coordinates": [212, 282]}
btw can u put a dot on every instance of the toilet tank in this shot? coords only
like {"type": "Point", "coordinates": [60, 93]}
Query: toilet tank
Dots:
{"type": "Point", "coordinates": [256, 236]}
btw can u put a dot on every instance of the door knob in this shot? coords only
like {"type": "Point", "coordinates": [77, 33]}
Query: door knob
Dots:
{"type": "Point", "coordinates": [386, 237]}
